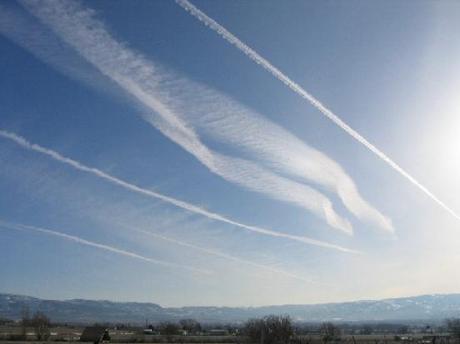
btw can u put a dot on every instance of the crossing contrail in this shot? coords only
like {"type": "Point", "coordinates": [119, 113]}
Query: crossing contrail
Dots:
{"type": "Point", "coordinates": [81, 241]}
{"type": "Point", "coordinates": [21, 141]}
{"type": "Point", "coordinates": [143, 81]}
{"type": "Point", "coordinates": [265, 64]}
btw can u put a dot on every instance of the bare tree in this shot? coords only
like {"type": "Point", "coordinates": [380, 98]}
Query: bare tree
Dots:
{"type": "Point", "coordinates": [329, 332]}
{"type": "Point", "coordinates": [169, 328]}
{"type": "Point", "coordinates": [41, 325]}
{"type": "Point", "coordinates": [190, 325]}
{"type": "Point", "coordinates": [270, 329]}
{"type": "Point", "coordinates": [25, 321]}
{"type": "Point", "coordinates": [453, 327]}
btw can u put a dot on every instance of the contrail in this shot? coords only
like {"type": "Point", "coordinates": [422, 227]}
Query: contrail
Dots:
{"type": "Point", "coordinates": [265, 64]}
{"type": "Point", "coordinates": [21, 141]}
{"type": "Point", "coordinates": [78, 240]}
{"type": "Point", "coordinates": [216, 115]}
{"type": "Point", "coordinates": [224, 255]}
{"type": "Point", "coordinates": [145, 83]}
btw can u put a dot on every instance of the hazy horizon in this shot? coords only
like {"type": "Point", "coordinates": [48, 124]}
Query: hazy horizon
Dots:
{"type": "Point", "coordinates": [234, 306]}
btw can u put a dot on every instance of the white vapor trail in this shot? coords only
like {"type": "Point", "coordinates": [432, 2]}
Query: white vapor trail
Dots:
{"type": "Point", "coordinates": [78, 240]}
{"type": "Point", "coordinates": [265, 64]}
{"type": "Point", "coordinates": [149, 193]}
{"type": "Point", "coordinates": [218, 116]}
{"type": "Point", "coordinates": [224, 255]}
{"type": "Point", "coordinates": [144, 82]}
{"type": "Point", "coordinates": [41, 42]}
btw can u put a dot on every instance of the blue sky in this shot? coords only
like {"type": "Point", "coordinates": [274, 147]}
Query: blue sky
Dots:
{"type": "Point", "coordinates": [169, 167]}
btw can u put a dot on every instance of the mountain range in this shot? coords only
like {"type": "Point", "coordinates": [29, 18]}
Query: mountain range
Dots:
{"type": "Point", "coordinates": [425, 307]}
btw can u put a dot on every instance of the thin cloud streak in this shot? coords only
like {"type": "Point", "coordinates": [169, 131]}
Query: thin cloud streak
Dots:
{"type": "Point", "coordinates": [81, 241]}
{"type": "Point", "coordinates": [265, 64]}
{"type": "Point", "coordinates": [41, 42]}
{"type": "Point", "coordinates": [142, 80]}
{"type": "Point", "coordinates": [220, 117]}
{"type": "Point", "coordinates": [30, 34]}
{"type": "Point", "coordinates": [149, 193]}
{"type": "Point", "coordinates": [224, 255]}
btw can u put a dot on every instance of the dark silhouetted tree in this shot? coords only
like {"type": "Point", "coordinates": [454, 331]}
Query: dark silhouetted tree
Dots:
{"type": "Point", "coordinates": [190, 325]}
{"type": "Point", "coordinates": [270, 329]}
{"type": "Point", "coordinates": [329, 332]}
{"type": "Point", "coordinates": [453, 327]}
{"type": "Point", "coordinates": [41, 324]}
{"type": "Point", "coordinates": [169, 328]}
{"type": "Point", "coordinates": [25, 321]}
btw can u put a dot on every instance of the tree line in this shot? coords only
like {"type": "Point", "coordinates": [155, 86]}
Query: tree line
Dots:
{"type": "Point", "coordinates": [272, 329]}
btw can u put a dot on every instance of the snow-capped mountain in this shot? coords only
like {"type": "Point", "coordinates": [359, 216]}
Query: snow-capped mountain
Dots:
{"type": "Point", "coordinates": [426, 307]}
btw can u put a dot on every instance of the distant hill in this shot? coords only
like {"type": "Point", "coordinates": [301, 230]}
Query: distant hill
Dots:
{"type": "Point", "coordinates": [426, 307]}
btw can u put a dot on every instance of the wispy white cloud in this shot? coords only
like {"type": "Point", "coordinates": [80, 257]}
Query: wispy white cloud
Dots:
{"type": "Point", "coordinates": [144, 82]}
{"type": "Point", "coordinates": [164, 231]}
{"type": "Point", "coordinates": [149, 193]}
{"type": "Point", "coordinates": [29, 33]}
{"type": "Point", "coordinates": [211, 113]}
{"type": "Point", "coordinates": [225, 256]}
{"type": "Point", "coordinates": [215, 115]}
{"type": "Point", "coordinates": [264, 63]}
{"type": "Point", "coordinates": [81, 241]}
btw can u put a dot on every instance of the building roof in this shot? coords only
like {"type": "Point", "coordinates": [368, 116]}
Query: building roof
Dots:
{"type": "Point", "coordinates": [92, 333]}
